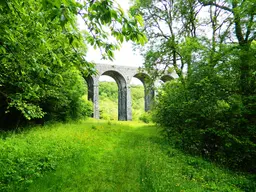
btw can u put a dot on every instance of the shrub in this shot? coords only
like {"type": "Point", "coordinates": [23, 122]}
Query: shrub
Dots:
{"type": "Point", "coordinates": [206, 119]}
{"type": "Point", "coordinates": [145, 117]}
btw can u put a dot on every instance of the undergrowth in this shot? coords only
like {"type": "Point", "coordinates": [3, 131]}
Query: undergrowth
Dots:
{"type": "Point", "coordinates": [106, 156]}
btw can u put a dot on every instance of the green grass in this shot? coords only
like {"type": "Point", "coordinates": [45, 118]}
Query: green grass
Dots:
{"type": "Point", "coordinates": [106, 156]}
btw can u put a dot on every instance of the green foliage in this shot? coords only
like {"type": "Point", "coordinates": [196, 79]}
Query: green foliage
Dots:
{"type": "Point", "coordinates": [207, 118]}
{"type": "Point", "coordinates": [170, 46]}
{"type": "Point", "coordinates": [108, 92]}
{"type": "Point", "coordinates": [96, 156]}
{"type": "Point", "coordinates": [29, 155]}
{"type": "Point", "coordinates": [210, 109]}
{"type": "Point", "coordinates": [145, 117]}
{"type": "Point", "coordinates": [86, 107]}
{"type": "Point", "coordinates": [138, 102]}
{"type": "Point", "coordinates": [67, 102]}
{"type": "Point", "coordinates": [108, 109]}
{"type": "Point", "coordinates": [42, 55]}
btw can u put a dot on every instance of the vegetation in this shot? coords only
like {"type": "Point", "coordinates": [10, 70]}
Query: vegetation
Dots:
{"type": "Point", "coordinates": [210, 109]}
{"type": "Point", "coordinates": [109, 101]}
{"type": "Point", "coordinates": [106, 156]}
{"type": "Point", "coordinates": [42, 55]}
{"type": "Point", "coordinates": [138, 101]}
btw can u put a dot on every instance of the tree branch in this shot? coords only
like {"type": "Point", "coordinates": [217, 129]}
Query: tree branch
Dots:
{"type": "Point", "coordinates": [209, 3]}
{"type": "Point", "coordinates": [157, 23]}
{"type": "Point", "coordinates": [238, 28]}
{"type": "Point", "coordinates": [248, 32]}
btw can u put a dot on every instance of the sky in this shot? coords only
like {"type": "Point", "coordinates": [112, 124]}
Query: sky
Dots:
{"type": "Point", "coordinates": [124, 56]}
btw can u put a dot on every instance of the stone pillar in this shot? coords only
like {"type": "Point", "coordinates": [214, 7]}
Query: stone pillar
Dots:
{"type": "Point", "coordinates": [149, 94]}
{"type": "Point", "coordinates": [96, 110]}
{"type": "Point", "coordinates": [93, 94]}
{"type": "Point", "coordinates": [122, 103]}
{"type": "Point", "coordinates": [129, 103]}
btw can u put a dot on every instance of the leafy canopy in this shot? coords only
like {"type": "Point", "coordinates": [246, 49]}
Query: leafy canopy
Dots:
{"type": "Point", "coordinates": [42, 51]}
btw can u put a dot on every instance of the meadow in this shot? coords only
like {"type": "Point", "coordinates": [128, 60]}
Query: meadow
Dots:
{"type": "Point", "coordinates": [97, 155]}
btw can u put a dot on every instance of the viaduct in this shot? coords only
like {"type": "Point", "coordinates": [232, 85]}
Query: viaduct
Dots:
{"type": "Point", "coordinates": [123, 76]}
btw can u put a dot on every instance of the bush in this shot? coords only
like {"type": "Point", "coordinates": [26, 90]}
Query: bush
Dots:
{"type": "Point", "coordinates": [206, 118]}
{"type": "Point", "coordinates": [145, 117]}
{"type": "Point", "coordinates": [67, 101]}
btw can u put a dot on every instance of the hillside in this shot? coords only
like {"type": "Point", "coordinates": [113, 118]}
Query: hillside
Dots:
{"type": "Point", "coordinates": [109, 100]}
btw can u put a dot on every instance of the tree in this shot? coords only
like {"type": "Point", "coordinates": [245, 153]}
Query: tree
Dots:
{"type": "Point", "coordinates": [242, 21]}
{"type": "Point", "coordinates": [42, 51]}
{"type": "Point", "coordinates": [210, 109]}
{"type": "Point", "coordinates": [171, 28]}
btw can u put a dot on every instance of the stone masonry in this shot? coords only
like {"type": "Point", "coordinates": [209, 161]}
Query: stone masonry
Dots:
{"type": "Point", "coordinates": [123, 76]}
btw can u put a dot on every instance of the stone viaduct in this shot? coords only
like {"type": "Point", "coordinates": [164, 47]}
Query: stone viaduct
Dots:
{"type": "Point", "coordinates": [123, 76]}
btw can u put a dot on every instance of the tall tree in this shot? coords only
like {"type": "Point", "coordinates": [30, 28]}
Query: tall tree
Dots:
{"type": "Point", "coordinates": [241, 21]}
{"type": "Point", "coordinates": [210, 44]}
{"type": "Point", "coordinates": [171, 27]}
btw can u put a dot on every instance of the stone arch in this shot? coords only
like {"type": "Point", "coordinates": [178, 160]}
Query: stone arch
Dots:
{"type": "Point", "coordinates": [148, 89]}
{"type": "Point", "coordinates": [122, 93]}
{"type": "Point", "coordinates": [166, 78]}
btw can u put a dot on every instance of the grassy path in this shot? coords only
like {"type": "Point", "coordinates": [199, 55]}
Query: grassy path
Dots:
{"type": "Point", "coordinates": [101, 156]}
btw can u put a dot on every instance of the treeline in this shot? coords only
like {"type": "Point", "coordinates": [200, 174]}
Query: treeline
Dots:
{"type": "Point", "coordinates": [42, 51]}
{"type": "Point", "coordinates": [210, 109]}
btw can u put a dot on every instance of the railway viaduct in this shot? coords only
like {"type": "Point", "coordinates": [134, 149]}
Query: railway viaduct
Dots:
{"type": "Point", "coordinates": [123, 76]}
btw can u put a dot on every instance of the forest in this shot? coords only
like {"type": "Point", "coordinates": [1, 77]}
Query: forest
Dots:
{"type": "Point", "coordinates": [207, 114]}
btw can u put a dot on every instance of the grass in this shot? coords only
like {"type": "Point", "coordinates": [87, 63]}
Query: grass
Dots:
{"type": "Point", "coordinates": [106, 156]}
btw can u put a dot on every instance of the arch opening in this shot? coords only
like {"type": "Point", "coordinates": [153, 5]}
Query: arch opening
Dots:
{"type": "Point", "coordinates": [148, 90]}
{"type": "Point", "coordinates": [122, 94]}
{"type": "Point", "coordinates": [137, 97]}
{"type": "Point", "coordinates": [108, 98]}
